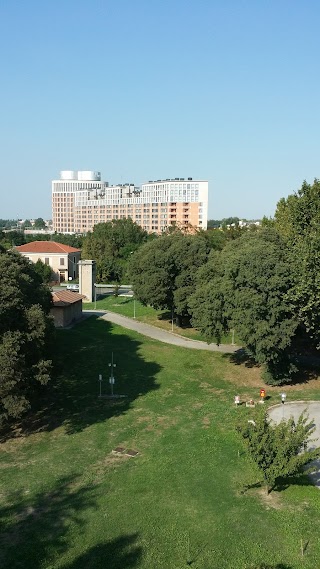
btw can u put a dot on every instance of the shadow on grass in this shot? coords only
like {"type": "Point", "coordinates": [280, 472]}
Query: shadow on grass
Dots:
{"type": "Point", "coordinates": [120, 553]}
{"type": "Point", "coordinates": [308, 366]}
{"type": "Point", "coordinates": [278, 566]}
{"type": "Point", "coordinates": [241, 357]}
{"type": "Point", "coordinates": [71, 399]}
{"type": "Point", "coordinates": [36, 531]}
{"type": "Point", "coordinates": [300, 479]}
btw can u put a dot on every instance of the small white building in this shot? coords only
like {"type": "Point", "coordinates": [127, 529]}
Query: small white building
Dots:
{"type": "Point", "coordinates": [62, 259]}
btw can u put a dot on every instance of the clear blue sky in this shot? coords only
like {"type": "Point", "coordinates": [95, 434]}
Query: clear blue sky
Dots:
{"type": "Point", "coordinates": [222, 90]}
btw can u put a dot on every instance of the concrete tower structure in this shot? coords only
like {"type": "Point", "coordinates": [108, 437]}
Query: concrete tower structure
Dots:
{"type": "Point", "coordinates": [87, 278]}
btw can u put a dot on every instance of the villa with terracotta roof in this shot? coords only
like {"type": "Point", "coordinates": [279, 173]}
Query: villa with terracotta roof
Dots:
{"type": "Point", "coordinates": [62, 259]}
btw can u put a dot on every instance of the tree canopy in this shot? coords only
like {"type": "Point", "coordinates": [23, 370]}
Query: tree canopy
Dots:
{"type": "Point", "coordinates": [26, 331]}
{"type": "Point", "coordinates": [45, 271]}
{"type": "Point", "coordinates": [279, 450]}
{"type": "Point", "coordinates": [246, 287]}
{"type": "Point", "coordinates": [163, 271]}
{"type": "Point", "coordinates": [111, 244]}
{"type": "Point", "coordinates": [39, 223]}
{"type": "Point", "coordinates": [297, 219]}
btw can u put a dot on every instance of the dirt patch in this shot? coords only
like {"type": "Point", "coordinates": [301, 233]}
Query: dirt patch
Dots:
{"type": "Point", "coordinates": [206, 422]}
{"type": "Point", "coordinates": [145, 419]}
{"type": "Point", "coordinates": [271, 501]}
{"type": "Point", "coordinates": [166, 422]}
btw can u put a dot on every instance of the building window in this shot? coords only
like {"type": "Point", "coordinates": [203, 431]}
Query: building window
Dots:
{"type": "Point", "coordinates": [61, 261]}
{"type": "Point", "coordinates": [46, 260]}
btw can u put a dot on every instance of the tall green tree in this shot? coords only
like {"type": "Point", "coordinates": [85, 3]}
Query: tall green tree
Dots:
{"type": "Point", "coordinates": [111, 244]}
{"type": "Point", "coordinates": [297, 219]}
{"type": "Point", "coordinates": [246, 287]}
{"type": "Point", "coordinates": [44, 271]}
{"type": "Point", "coordinates": [163, 271]}
{"type": "Point", "coordinates": [26, 332]}
{"type": "Point", "coordinates": [279, 450]}
{"type": "Point", "coordinates": [39, 223]}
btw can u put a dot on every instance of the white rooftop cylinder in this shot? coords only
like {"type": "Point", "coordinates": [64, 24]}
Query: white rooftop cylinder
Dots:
{"type": "Point", "coordinates": [89, 175]}
{"type": "Point", "coordinates": [68, 175]}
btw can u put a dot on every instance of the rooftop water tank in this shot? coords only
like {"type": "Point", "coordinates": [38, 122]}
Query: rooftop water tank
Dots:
{"type": "Point", "coordinates": [68, 175]}
{"type": "Point", "coordinates": [89, 175]}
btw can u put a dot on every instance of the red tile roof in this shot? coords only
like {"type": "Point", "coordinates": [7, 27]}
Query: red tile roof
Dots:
{"type": "Point", "coordinates": [64, 297]}
{"type": "Point", "coordinates": [46, 247]}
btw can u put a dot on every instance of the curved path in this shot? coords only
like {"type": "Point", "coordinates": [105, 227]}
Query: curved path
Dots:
{"type": "Point", "coordinates": [276, 413]}
{"type": "Point", "coordinates": [294, 409]}
{"type": "Point", "coordinates": [161, 335]}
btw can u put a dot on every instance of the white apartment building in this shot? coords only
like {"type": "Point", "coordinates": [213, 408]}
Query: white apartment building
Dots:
{"type": "Point", "coordinates": [80, 200]}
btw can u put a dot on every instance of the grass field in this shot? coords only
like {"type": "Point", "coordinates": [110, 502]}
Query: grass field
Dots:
{"type": "Point", "coordinates": [189, 498]}
{"type": "Point", "coordinates": [128, 307]}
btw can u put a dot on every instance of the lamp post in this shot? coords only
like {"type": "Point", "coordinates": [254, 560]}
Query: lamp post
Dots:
{"type": "Point", "coordinates": [134, 308]}
{"type": "Point", "coordinates": [100, 382]}
{"type": "Point", "coordinates": [111, 378]}
{"type": "Point", "coordinates": [283, 400]}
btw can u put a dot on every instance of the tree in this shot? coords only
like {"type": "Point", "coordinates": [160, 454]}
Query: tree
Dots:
{"type": "Point", "coordinates": [298, 219]}
{"type": "Point", "coordinates": [44, 271]}
{"type": "Point", "coordinates": [163, 271]}
{"type": "Point", "coordinates": [39, 223]}
{"type": "Point", "coordinates": [216, 239]}
{"type": "Point", "coordinates": [246, 286]}
{"type": "Point", "coordinates": [111, 244]}
{"type": "Point", "coordinates": [299, 214]}
{"type": "Point", "coordinates": [12, 238]}
{"type": "Point", "coordinates": [26, 224]}
{"type": "Point", "coordinates": [279, 450]}
{"type": "Point", "coordinates": [26, 331]}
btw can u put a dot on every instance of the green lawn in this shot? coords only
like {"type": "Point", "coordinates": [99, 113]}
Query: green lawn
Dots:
{"type": "Point", "coordinates": [128, 307]}
{"type": "Point", "coordinates": [68, 502]}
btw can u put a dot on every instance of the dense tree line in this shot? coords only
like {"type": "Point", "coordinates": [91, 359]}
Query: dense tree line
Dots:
{"type": "Point", "coordinates": [264, 282]}
{"type": "Point", "coordinates": [15, 238]}
{"type": "Point", "coordinates": [26, 332]}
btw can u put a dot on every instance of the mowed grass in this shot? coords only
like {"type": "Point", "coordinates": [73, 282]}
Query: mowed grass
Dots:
{"type": "Point", "coordinates": [67, 501]}
{"type": "Point", "coordinates": [127, 306]}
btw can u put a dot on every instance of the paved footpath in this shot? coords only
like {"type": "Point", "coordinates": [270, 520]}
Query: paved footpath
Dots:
{"type": "Point", "coordinates": [162, 335]}
{"type": "Point", "coordinates": [277, 412]}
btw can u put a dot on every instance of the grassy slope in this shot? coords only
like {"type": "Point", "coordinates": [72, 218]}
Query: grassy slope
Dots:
{"type": "Point", "coordinates": [68, 502]}
{"type": "Point", "coordinates": [147, 314]}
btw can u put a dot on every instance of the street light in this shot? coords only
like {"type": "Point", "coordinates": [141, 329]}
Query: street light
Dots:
{"type": "Point", "coordinates": [283, 399]}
